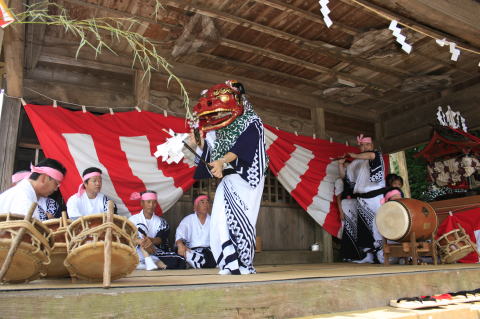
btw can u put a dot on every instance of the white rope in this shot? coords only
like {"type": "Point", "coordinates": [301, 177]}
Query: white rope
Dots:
{"type": "Point", "coordinates": [109, 109]}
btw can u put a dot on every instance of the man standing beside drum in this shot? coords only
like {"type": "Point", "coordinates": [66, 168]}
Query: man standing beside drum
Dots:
{"type": "Point", "coordinates": [366, 175]}
{"type": "Point", "coordinates": [88, 200]}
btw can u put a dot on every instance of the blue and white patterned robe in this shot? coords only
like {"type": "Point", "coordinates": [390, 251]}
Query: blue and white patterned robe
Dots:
{"type": "Point", "coordinates": [237, 200]}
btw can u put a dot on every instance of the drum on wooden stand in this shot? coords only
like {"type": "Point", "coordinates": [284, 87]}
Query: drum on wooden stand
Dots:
{"type": "Point", "coordinates": [32, 255]}
{"type": "Point", "coordinates": [398, 219]}
{"type": "Point", "coordinates": [59, 253]}
{"type": "Point", "coordinates": [86, 242]}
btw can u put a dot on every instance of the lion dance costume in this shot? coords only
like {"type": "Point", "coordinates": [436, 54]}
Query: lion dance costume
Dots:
{"type": "Point", "coordinates": [231, 125]}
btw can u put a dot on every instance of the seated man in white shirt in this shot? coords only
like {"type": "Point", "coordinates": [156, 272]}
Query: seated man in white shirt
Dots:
{"type": "Point", "coordinates": [48, 208]}
{"type": "Point", "coordinates": [193, 235]}
{"type": "Point", "coordinates": [45, 178]}
{"type": "Point", "coordinates": [153, 232]}
{"type": "Point", "coordinates": [88, 200]}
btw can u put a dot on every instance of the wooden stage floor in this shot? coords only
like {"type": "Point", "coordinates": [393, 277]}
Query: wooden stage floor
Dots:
{"type": "Point", "coordinates": [282, 291]}
{"type": "Point", "coordinates": [265, 274]}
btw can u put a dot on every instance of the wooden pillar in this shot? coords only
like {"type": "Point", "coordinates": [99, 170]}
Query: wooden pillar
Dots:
{"type": "Point", "coordinates": [9, 118]}
{"type": "Point", "coordinates": [10, 114]}
{"type": "Point", "coordinates": [379, 135]}
{"type": "Point", "coordinates": [142, 89]}
{"type": "Point", "coordinates": [318, 115]}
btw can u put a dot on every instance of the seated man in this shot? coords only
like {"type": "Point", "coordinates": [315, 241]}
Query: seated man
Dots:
{"type": "Point", "coordinates": [153, 232]}
{"type": "Point", "coordinates": [42, 182]}
{"type": "Point", "coordinates": [48, 208]}
{"type": "Point", "coordinates": [88, 200]}
{"type": "Point", "coordinates": [193, 235]}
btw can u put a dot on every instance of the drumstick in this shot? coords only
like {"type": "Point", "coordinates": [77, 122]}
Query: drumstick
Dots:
{"type": "Point", "coordinates": [149, 263]}
{"type": "Point", "coordinates": [15, 243]}
{"type": "Point", "coordinates": [107, 265]}
{"type": "Point", "coordinates": [64, 218]}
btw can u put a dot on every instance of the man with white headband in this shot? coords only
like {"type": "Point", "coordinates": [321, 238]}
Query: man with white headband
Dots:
{"type": "Point", "coordinates": [88, 200]}
{"type": "Point", "coordinates": [153, 232]}
{"type": "Point", "coordinates": [44, 179]}
{"type": "Point", "coordinates": [193, 235]}
{"type": "Point", "coordinates": [365, 175]}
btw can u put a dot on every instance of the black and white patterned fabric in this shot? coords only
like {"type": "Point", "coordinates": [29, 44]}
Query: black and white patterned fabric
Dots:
{"type": "Point", "coordinates": [242, 233]}
{"type": "Point", "coordinates": [377, 168]}
{"type": "Point", "coordinates": [48, 204]}
{"type": "Point", "coordinates": [252, 160]}
{"type": "Point", "coordinates": [200, 257]}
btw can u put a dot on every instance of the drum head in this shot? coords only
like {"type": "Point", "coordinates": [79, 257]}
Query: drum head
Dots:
{"type": "Point", "coordinates": [56, 268]}
{"type": "Point", "coordinates": [86, 261]}
{"type": "Point", "coordinates": [392, 220]}
{"type": "Point", "coordinates": [25, 266]}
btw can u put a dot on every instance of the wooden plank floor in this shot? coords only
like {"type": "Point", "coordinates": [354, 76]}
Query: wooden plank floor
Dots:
{"type": "Point", "coordinates": [283, 291]}
{"type": "Point", "coordinates": [272, 273]}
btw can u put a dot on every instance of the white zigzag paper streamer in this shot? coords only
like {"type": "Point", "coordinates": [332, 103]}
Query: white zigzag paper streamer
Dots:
{"type": "Point", "coordinates": [400, 38]}
{"type": "Point", "coordinates": [325, 11]}
{"type": "Point", "coordinates": [452, 48]}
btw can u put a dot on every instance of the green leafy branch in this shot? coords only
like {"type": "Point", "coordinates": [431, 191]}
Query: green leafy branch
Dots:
{"type": "Point", "coordinates": [104, 31]}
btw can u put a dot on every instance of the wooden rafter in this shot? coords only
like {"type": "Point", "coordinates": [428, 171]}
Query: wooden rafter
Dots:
{"type": "Point", "coordinates": [307, 65]}
{"type": "Point", "coordinates": [419, 27]}
{"type": "Point", "coordinates": [285, 7]}
{"type": "Point", "coordinates": [201, 75]}
{"type": "Point", "coordinates": [320, 47]}
{"type": "Point", "coordinates": [254, 68]}
{"type": "Point", "coordinates": [115, 12]}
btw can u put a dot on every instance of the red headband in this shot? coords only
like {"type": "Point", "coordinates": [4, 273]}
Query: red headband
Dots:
{"type": "Point", "coordinates": [52, 172]}
{"type": "Point", "coordinates": [144, 196]}
{"type": "Point", "coordinates": [81, 187]}
{"type": "Point", "coordinates": [362, 139]}
{"type": "Point", "coordinates": [17, 177]}
{"type": "Point", "coordinates": [389, 195]}
{"type": "Point", "coordinates": [199, 198]}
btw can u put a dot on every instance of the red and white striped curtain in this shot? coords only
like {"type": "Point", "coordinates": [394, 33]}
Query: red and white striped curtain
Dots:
{"type": "Point", "coordinates": [122, 145]}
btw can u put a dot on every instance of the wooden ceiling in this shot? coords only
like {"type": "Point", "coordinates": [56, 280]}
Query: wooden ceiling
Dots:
{"type": "Point", "coordinates": [284, 53]}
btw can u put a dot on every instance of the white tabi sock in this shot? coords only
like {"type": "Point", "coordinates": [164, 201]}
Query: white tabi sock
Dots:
{"type": "Point", "coordinates": [150, 264]}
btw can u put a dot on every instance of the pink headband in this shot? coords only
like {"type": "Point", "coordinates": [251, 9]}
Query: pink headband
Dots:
{"type": "Point", "coordinates": [144, 196]}
{"type": "Point", "coordinates": [52, 172]}
{"type": "Point", "coordinates": [17, 177]}
{"type": "Point", "coordinates": [361, 139]}
{"type": "Point", "coordinates": [388, 195]}
{"type": "Point", "coordinates": [81, 187]}
{"type": "Point", "coordinates": [199, 198]}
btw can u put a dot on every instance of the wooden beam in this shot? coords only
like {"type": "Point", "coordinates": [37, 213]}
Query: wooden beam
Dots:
{"type": "Point", "coordinates": [210, 77]}
{"type": "Point", "coordinates": [458, 18]}
{"type": "Point", "coordinates": [270, 72]}
{"type": "Point", "coordinates": [307, 65]}
{"type": "Point", "coordinates": [166, 26]}
{"type": "Point", "coordinates": [34, 39]}
{"type": "Point", "coordinates": [85, 63]}
{"type": "Point", "coordinates": [68, 93]}
{"type": "Point", "coordinates": [142, 89]}
{"type": "Point", "coordinates": [270, 91]}
{"type": "Point", "coordinates": [285, 7]}
{"type": "Point", "coordinates": [413, 126]}
{"type": "Point", "coordinates": [9, 121]}
{"type": "Point", "coordinates": [415, 25]}
{"type": "Point", "coordinates": [10, 112]}
{"type": "Point", "coordinates": [319, 123]}
{"type": "Point", "coordinates": [319, 47]}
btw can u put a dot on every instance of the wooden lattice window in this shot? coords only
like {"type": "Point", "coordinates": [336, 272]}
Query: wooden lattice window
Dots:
{"type": "Point", "coordinates": [274, 194]}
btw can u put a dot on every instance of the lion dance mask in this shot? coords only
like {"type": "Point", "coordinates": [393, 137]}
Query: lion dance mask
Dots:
{"type": "Point", "coordinates": [219, 106]}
